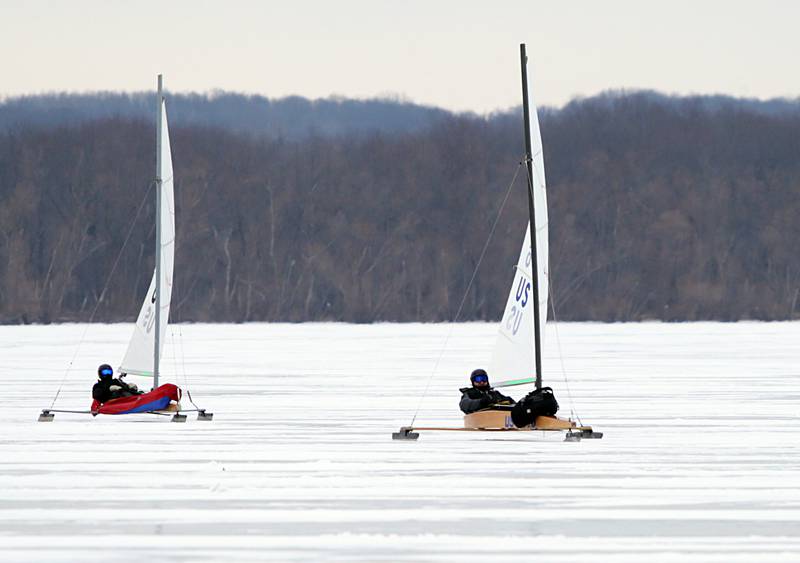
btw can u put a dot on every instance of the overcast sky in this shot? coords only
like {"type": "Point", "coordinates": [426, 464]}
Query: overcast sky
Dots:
{"type": "Point", "coordinates": [459, 55]}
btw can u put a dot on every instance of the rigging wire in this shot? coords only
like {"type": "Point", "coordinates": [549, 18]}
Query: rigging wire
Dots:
{"type": "Point", "coordinates": [175, 354]}
{"type": "Point", "coordinates": [183, 367]}
{"type": "Point", "coordinates": [182, 353]}
{"type": "Point", "coordinates": [573, 411]}
{"type": "Point", "coordinates": [177, 344]}
{"type": "Point", "coordinates": [466, 292]}
{"type": "Point", "coordinates": [103, 292]}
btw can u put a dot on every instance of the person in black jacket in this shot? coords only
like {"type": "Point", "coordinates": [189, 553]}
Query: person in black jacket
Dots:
{"type": "Point", "coordinates": [481, 395]}
{"type": "Point", "coordinates": [107, 387]}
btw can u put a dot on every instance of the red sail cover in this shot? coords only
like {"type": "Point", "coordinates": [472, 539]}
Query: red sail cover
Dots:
{"type": "Point", "coordinates": [157, 399]}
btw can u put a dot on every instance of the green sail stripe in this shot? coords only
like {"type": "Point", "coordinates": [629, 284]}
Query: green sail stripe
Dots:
{"type": "Point", "coordinates": [512, 382]}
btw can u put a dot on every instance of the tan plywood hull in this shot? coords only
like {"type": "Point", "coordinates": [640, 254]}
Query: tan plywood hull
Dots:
{"type": "Point", "coordinates": [501, 419]}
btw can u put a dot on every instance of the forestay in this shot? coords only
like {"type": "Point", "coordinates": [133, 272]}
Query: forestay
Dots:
{"type": "Point", "coordinates": [513, 354]}
{"type": "Point", "coordinates": [139, 357]}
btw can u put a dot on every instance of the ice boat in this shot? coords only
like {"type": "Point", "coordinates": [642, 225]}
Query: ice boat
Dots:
{"type": "Point", "coordinates": [163, 398]}
{"type": "Point", "coordinates": [147, 342]}
{"type": "Point", "coordinates": [517, 349]}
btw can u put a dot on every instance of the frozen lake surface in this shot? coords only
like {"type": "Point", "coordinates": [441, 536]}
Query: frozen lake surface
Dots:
{"type": "Point", "coordinates": [700, 460]}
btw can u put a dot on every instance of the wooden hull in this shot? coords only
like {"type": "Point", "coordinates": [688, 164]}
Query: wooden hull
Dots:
{"type": "Point", "coordinates": [495, 419]}
{"type": "Point", "coordinates": [499, 420]}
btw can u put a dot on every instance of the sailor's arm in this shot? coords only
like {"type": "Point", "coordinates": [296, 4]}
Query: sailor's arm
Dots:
{"type": "Point", "coordinates": [98, 393]}
{"type": "Point", "coordinates": [129, 387]}
{"type": "Point", "coordinates": [469, 405]}
{"type": "Point", "coordinates": [499, 398]}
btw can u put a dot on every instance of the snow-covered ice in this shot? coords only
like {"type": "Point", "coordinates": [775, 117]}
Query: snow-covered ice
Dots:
{"type": "Point", "coordinates": [700, 460]}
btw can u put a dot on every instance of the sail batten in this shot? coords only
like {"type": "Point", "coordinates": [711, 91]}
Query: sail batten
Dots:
{"type": "Point", "coordinates": [139, 373]}
{"type": "Point", "coordinates": [524, 273]}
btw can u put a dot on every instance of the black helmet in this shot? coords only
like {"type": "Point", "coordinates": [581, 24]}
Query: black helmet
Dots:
{"type": "Point", "coordinates": [104, 371]}
{"type": "Point", "coordinates": [479, 374]}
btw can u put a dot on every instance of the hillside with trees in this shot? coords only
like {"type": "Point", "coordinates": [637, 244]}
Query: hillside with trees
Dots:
{"type": "Point", "coordinates": [660, 208]}
{"type": "Point", "coordinates": [293, 117]}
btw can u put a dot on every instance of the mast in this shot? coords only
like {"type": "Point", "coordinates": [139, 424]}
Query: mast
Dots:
{"type": "Point", "coordinates": [537, 334]}
{"type": "Point", "coordinates": [156, 348]}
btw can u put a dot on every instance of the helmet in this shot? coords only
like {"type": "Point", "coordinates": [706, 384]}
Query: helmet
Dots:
{"type": "Point", "coordinates": [479, 375]}
{"type": "Point", "coordinates": [104, 371]}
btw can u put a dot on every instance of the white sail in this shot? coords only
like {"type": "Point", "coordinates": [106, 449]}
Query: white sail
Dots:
{"type": "Point", "coordinates": [139, 357]}
{"type": "Point", "coordinates": [513, 354]}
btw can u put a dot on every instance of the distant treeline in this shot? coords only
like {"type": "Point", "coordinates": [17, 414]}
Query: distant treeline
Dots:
{"type": "Point", "coordinates": [289, 118]}
{"type": "Point", "coordinates": [660, 208]}
{"type": "Point", "coordinates": [294, 117]}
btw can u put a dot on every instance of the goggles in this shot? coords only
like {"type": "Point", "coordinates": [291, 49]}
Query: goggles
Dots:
{"type": "Point", "coordinates": [106, 371]}
{"type": "Point", "coordinates": [480, 379]}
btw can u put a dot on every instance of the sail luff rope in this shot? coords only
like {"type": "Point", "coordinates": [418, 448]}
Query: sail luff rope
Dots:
{"type": "Point", "coordinates": [466, 292]}
{"type": "Point", "coordinates": [102, 293]}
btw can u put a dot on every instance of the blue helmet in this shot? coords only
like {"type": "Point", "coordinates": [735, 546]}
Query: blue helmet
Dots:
{"type": "Point", "coordinates": [479, 376]}
{"type": "Point", "coordinates": [105, 371]}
